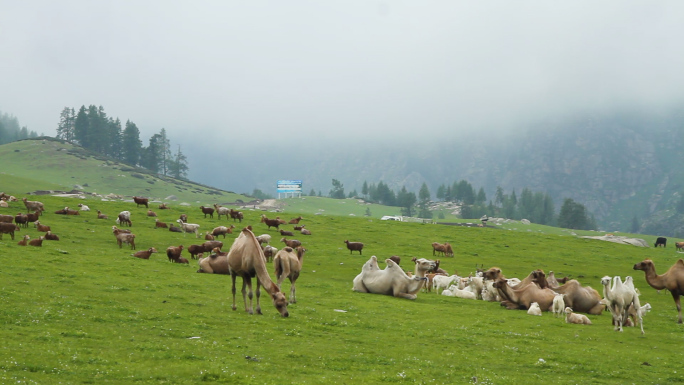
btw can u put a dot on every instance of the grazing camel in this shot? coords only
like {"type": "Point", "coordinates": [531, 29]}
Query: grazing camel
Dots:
{"type": "Point", "coordinates": [523, 297]}
{"type": "Point", "coordinates": [672, 280]}
{"type": "Point", "coordinates": [619, 297]}
{"type": "Point", "coordinates": [247, 260]}
{"type": "Point", "coordinates": [288, 264]}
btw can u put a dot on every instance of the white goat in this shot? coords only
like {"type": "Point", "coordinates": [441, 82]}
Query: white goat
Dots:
{"type": "Point", "coordinates": [443, 282]}
{"type": "Point", "coordinates": [534, 309]}
{"type": "Point", "coordinates": [476, 284]}
{"type": "Point", "coordinates": [83, 207]}
{"type": "Point", "coordinates": [558, 305]}
{"type": "Point", "coordinates": [189, 227]}
{"type": "Point", "coordinates": [489, 293]}
{"type": "Point", "coordinates": [575, 318]}
{"type": "Point", "coordinates": [462, 293]}
{"type": "Point", "coordinates": [264, 238]}
{"type": "Point", "coordinates": [123, 214]}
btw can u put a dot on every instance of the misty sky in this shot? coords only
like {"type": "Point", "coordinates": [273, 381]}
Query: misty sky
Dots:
{"type": "Point", "coordinates": [224, 71]}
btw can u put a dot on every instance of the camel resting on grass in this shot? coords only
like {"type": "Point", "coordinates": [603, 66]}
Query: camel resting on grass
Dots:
{"type": "Point", "coordinates": [392, 280]}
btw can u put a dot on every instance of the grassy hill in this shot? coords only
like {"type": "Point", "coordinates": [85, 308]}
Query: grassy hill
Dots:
{"type": "Point", "coordinates": [82, 310]}
{"type": "Point", "coordinates": [56, 165]}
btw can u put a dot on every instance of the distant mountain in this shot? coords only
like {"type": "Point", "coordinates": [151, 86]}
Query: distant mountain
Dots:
{"type": "Point", "coordinates": [620, 166]}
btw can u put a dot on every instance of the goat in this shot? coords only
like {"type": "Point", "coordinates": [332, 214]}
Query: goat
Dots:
{"type": "Point", "coordinates": [51, 237]}
{"type": "Point", "coordinates": [183, 217]}
{"type": "Point", "coordinates": [100, 215]}
{"type": "Point", "coordinates": [141, 201]}
{"type": "Point", "coordinates": [32, 217]}
{"type": "Point", "coordinates": [269, 252]}
{"type": "Point", "coordinates": [679, 246]}
{"type": "Point", "coordinates": [194, 250]}
{"type": "Point", "coordinates": [41, 227]}
{"type": "Point", "coordinates": [4, 204]}
{"type": "Point", "coordinates": [208, 237]}
{"type": "Point", "coordinates": [293, 243]}
{"type": "Point", "coordinates": [270, 222]}
{"type": "Point", "coordinates": [145, 254]}
{"type": "Point", "coordinates": [295, 221]}
{"type": "Point", "coordinates": [236, 215]}
{"type": "Point", "coordinates": [83, 207]}
{"type": "Point", "coordinates": [175, 229]}
{"type": "Point", "coordinates": [305, 232]}
{"type": "Point", "coordinates": [263, 238]}
{"type": "Point", "coordinates": [211, 245]}
{"type": "Point", "coordinates": [286, 233]}
{"type": "Point", "coordinates": [163, 206]}
{"type": "Point", "coordinates": [465, 294]}
{"type": "Point", "coordinates": [173, 252]}
{"type": "Point", "coordinates": [124, 218]}
{"type": "Point", "coordinates": [534, 309]}
{"type": "Point", "coordinates": [575, 318]}
{"type": "Point", "coordinates": [71, 212]}
{"type": "Point", "coordinates": [160, 225]}
{"type": "Point", "coordinates": [222, 230]}
{"type": "Point", "coordinates": [220, 210]}
{"type": "Point", "coordinates": [443, 281]}
{"type": "Point", "coordinates": [8, 228]}
{"type": "Point", "coordinates": [6, 218]}
{"type": "Point", "coordinates": [189, 227]}
{"type": "Point", "coordinates": [37, 242]}
{"type": "Point", "coordinates": [24, 240]}
{"type": "Point", "coordinates": [21, 220]}
{"type": "Point", "coordinates": [151, 213]}
{"type": "Point", "coordinates": [354, 246]}
{"type": "Point", "coordinates": [128, 238]}
{"type": "Point", "coordinates": [62, 211]}
{"type": "Point", "coordinates": [33, 205]}
{"type": "Point", "coordinates": [558, 306]}
{"type": "Point", "coordinates": [207, 210]}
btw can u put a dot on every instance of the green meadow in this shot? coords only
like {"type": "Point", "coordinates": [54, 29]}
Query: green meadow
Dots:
{"type": "Point", "coordinates": [83, 311]}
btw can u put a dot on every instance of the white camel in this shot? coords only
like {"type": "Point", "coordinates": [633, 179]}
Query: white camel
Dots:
{"type": "Point", "coordinates": [392, 280]}
{"type": "Point", "coordinates": [618, 299]}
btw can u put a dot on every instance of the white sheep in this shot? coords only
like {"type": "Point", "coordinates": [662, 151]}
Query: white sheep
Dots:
{"type": "Point", "coordinates": [443, 281]}
{"type": "Point", "coordinates": [575, 318]}
{"type": "Point", "coordinates": [83, 207]}
{"type": "Point", "coordinates": [189, 227]}
{"type": "Point", "coordinates": [534, 309]}
{"type": "Point", "coordinates": [447, 293]}
{"type": "Point", "coordinates": [558, 305]}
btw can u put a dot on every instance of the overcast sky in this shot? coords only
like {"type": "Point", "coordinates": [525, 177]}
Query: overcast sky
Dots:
{"type": "Point", "coordinates": [230, 70]}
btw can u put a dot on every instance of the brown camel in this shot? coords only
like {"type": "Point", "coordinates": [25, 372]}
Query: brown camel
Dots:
{"type": "Point", "coordinates": [583, 299]}
{"type": "Point", "coordinates": [247, 260]}
{"type": "Point", "coordinates": [672, 280]}
{"type": "Point", "coordinates": [522, 298]}
{"type": "Point", "coordinates": [288, 264]}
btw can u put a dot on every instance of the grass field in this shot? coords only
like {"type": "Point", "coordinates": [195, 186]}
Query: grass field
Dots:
{"type": "Point", "coordinates": [81, 310]}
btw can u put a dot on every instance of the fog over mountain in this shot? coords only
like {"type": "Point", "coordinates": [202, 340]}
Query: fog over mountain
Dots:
{"type": "Point", "coordinates": [260, 90]}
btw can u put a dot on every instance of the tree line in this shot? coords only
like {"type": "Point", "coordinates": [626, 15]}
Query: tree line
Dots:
{"type": "Point", "coordinates": [537, 207]}
{"type": "Point", "coordinates": [10, 131]}
{"type": "Point", "coordinates": [91, 128]}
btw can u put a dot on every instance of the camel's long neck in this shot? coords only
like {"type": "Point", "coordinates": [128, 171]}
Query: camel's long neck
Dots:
{"type": "Point", "coordinates": [507, 292]}
{"type": "Point", "coordinates": [655, 280]}
{"type": "Point", "coordinates": [260, 269]}
{"type": "Point", "coordinates": [419, 272]}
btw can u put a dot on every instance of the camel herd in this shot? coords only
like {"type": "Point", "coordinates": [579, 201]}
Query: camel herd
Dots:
{"type": "Point", "coordinates": [536, 291]}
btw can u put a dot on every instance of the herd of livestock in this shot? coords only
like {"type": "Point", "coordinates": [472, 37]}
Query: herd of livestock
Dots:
{"type": "Point", "coordinates": [535, 293]}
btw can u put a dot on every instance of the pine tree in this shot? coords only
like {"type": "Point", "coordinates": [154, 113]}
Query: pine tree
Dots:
{"type": "Point", "coordinates": [131, 150]}
{"type": "Point", "coordinates": [81, 127]}
{"type": "Point", "coordinates": [151, 158]}
{"type": "Point", "coordinates": [424, 201]}
{"type": "Point", "coordinates": [406, 200]}
{"type": "Point", "coordinates": [337, 192]}
{"type": "Point", "coordinates": [179, 165]}
{"type": "Point", "coordinates": [115, 139]}
{"type": "Point", "coordinates": [65, 128]}
{"type": "Point", "coordinates": [164, 152]}
{"type": "Point", "coordinates": [635, 225]}
{"type": "Point", "coordinates": [573, 215]}
{"type": "Point", "coordinates": [364, 189]}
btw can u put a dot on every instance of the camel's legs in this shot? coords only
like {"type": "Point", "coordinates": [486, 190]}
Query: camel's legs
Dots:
{"type": "Point", "coordinates": [246, 281]}
{"type": "Point", "coordinates": [675, 296]}
{"type": "Point", "coordinates": [293, 299]}
{"type": "Point", "coordinates": [233, 276]}
{"type": "Point", "coordinates": [258, 295]}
